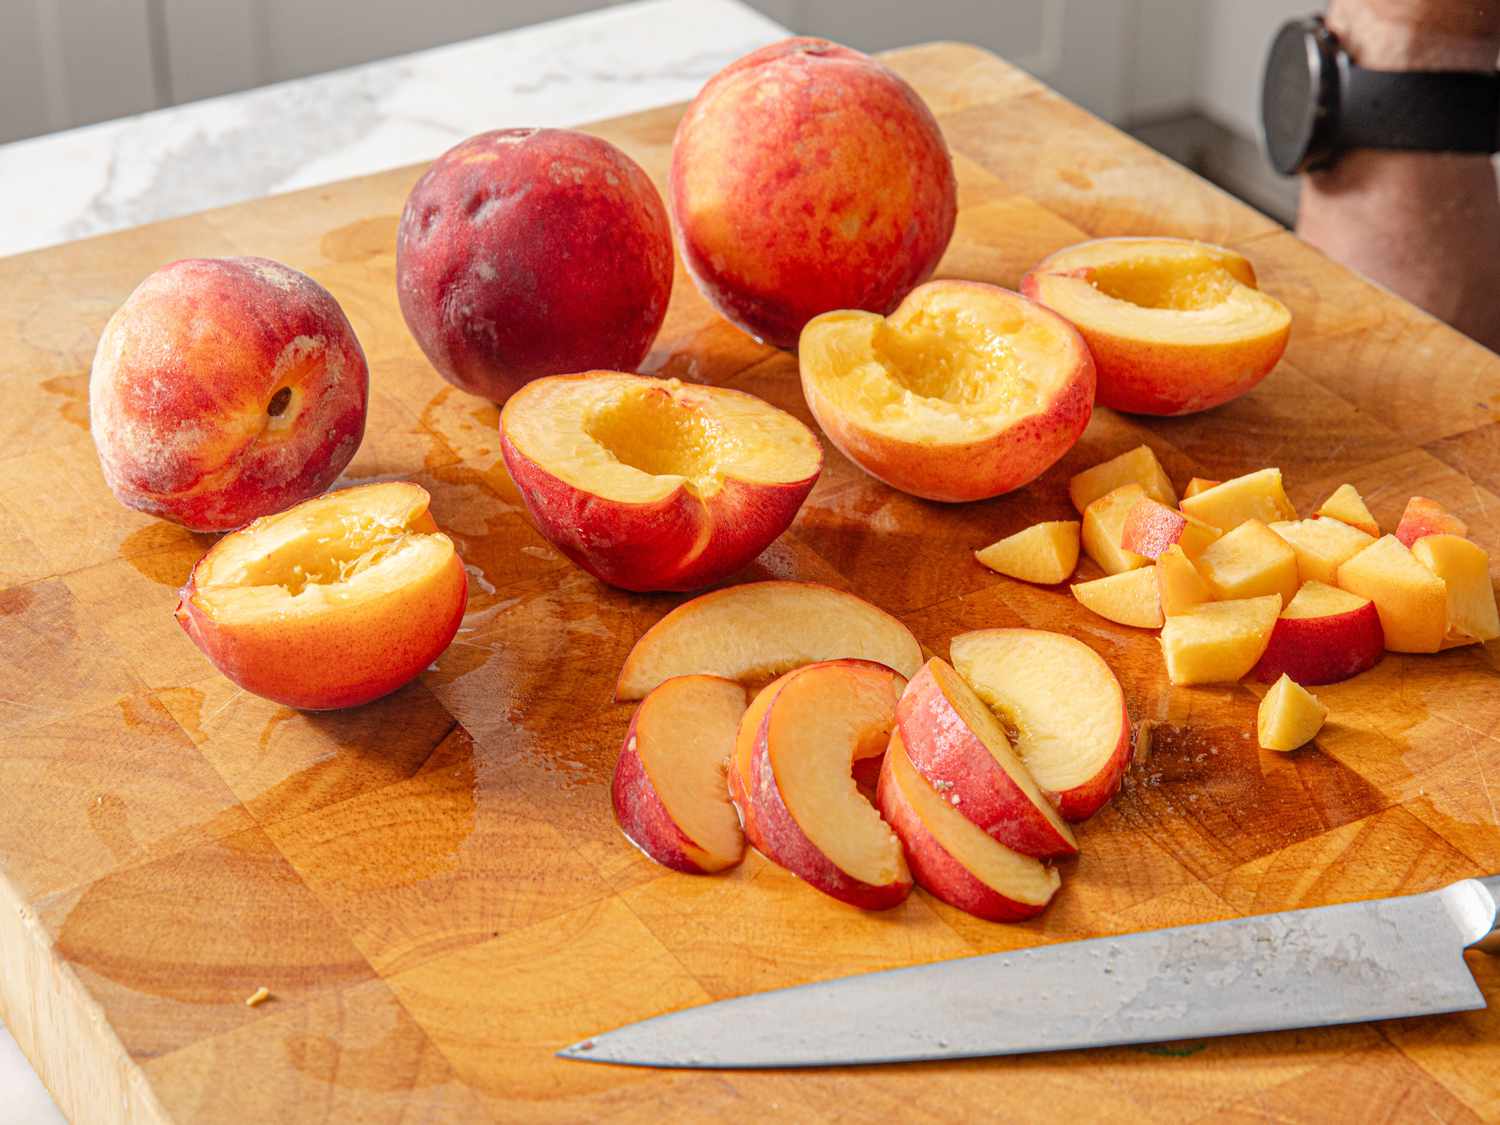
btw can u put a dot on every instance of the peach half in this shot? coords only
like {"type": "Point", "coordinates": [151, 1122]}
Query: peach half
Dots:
{"type": "Point", "coordinates": [950, 856]}
{"type": "Point", "coordinates": [332, 603]}
{"type": "Point", "coordinates": [1175, 326]}
{"type": "Point", "coordinates": [654, 484]}
{"type": "Point", "coordinates": [761, 629]}
{"type": "Point", "coordinates": [966, 391]}
{"type": "Point", "coordinates": [809, 814]}
{"type": "Point", "coordinates": [1064, 704]}
{"type": "Point", "coordinates": [668, 790]}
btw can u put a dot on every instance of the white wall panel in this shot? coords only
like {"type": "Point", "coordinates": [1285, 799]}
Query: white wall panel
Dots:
{"type": "Point", "coordinates": [1236, 35]}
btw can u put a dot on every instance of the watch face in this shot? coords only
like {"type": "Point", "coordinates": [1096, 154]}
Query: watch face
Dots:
{"type": "Point", "coordinates": [1292, 96]}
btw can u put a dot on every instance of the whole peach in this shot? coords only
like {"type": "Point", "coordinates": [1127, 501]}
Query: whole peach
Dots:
{"type": "Point", "coordinates": [529, 252]}
{"type": "Point", "coordinates": [224, 389]}
{"type": "Point", "coordinates": [807, 177]}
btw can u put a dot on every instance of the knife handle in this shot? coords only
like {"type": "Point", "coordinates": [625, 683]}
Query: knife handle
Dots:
{"type": "Point", "coordinates": [1486, 919]}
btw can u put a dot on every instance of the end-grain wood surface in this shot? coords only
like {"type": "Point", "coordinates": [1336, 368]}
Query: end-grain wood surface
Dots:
{"type": "Point", "coordinates": [433, 888]}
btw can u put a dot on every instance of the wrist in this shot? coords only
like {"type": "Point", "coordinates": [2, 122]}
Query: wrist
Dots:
{"type": "Point", "coordinates": [1417, 34]}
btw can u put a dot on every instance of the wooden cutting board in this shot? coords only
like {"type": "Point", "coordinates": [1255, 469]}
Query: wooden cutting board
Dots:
{"type": "Point", "coordinates": [433, 888]}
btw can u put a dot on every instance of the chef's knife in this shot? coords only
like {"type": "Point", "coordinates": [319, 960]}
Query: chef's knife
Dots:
{"type": "Point", "coordinates": [1381, 959]}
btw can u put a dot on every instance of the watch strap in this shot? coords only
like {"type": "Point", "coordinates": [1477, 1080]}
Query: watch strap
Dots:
{"type": "Point", "coordinates": [1433, 111]}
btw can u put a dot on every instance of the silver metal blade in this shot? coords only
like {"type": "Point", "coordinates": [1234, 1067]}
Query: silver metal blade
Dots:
{"type": "Point", "coordinates": [1381, 959]}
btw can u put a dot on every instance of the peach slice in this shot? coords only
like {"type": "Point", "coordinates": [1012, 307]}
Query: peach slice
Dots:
{"type": "Point", "coordinates": [1427, 517]}
{"type": "Point", "coordinates": [1324, 635]}
{"type": "Point", "coordinates": [1175, 326]}
{"type": "Point", "coordinates": [1412, 601]}
{"type": "Point", "coordinates": [953, 859]}
{"type": "Point", "coordinates": [1134, 466]}
{"type": "Point", "coordinates": [1104, 527]}
{"type": "Point", "coordinates": [866, 766]}
{"type": "Point", "coordinates": [1044, 553]}
{"type": "Point", "coordinates": [1347, 506]}
{"type": "Point", "coordinates": [1150, 528]}
{"type": "Point", "coordinates": [1128, 598]}
{"type": "Point", "coordinates": [808, 812]}
{"type": "Point", "coordinates": [761, 629]}
{"type": "Point", "coordinates": [1249, 561]}
{"type": "Point", "coordinates": [332, 603]}
{"type": "Point", "coordinates": [1254, 496]}
{"type": "Point", "coordinates": [1179, 586]}
{"type": "Point", "coordinates": [668, 789]}
{"type": "Point", "coordinates": [1197, 485]}
{"type": "Point", "coordinates": [964, 392]}
{"type": "Point", "coordinates": [654, 484]}
{"type": "Point", "coordinates": [960, 748]}
{"type": "Point", "coordinates": [1289, 716]}
{"type": "Point", "coordinates": [1063, 702]}
{"type": "Point", "coordinates": [1322, 546]}
{"type": "Point", "coordinates": [1464, 568]}
{"type": "Point", "coordinates": [1218, 642]}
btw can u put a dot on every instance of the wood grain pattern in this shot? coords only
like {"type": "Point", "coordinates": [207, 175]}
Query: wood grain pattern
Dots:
{"type": "Point", "coordinates": [433, 888]}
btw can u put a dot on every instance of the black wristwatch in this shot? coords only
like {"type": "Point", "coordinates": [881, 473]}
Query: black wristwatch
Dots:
{"type": "Point", "coordinates": [1316, 102]}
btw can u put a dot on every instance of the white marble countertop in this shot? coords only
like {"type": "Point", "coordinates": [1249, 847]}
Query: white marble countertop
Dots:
{"type": "Point", "coordinates": [364, 119]}
{"type": "Point", "coordinates": [347, 123]}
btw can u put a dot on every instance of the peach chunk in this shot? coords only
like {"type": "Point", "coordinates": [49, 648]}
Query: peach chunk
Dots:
{"type": "Point", "coordinates": [1063, 702]}
{"type": "Point", "coordinates": [1197, 485]}
{"type": "Point", "coordinates": [668, 790]}
{"type": "Point", "coordinates": [1150, 528]}
{"type": "Point", "coordinates": [808, 812]}
{"type": "Point", "coordinates": [1289, 716]}
{"type": "Point", "coordinates": [1322, 636]}
{"type": "Point", "coordinates": [1464, 568]}
{"type": "Point", "coordinates": [808, 177]}
{"type": "Point", "coordinates": [951, 858]}
{"type": "Point", "coordinates": [332, 603]}
{"type": "Point", "coordinates": [1347, 506]}
{"type": "Point", "coordinates": [1128, 598]}
{"type": "Point", "coordinates": [1104, 527]}
{"type": "Point", "coordinates": [1218, 642]}
{"type": "Point", "coordinates": [1044, 553]}
{"type": "Point", "coordinates": [1179, 585]}
{"type": "Point", "coordinates": [654, 484]}
{"type": "Point", "coordinates": [965, 391]}
{"type": "Point", "coordinates": [1254, 496]}
{"type": "Point", "coordinates": [960, 748]}
{"type": "Point", "coordinates": [1427, 517]}
{"type": "Point", "coordinates": [1134, 466]}
{"type": "Point", "coordinates": [1412, 601]}
{"type": "Point", "coordinates": [1322, 546]}
{"type": "Point", "coordinates": [529, 252]}
{"type": "Point", "coordinates": [1249, 561]}
{"type": "Point", "coordinates": [1175, 326]}
{"type": "Point", "coordinates": [225, 389]}
{"type": "Point", "coordinates": [761, 629]}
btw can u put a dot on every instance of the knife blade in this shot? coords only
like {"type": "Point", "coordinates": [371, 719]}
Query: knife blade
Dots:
{"type": "Point", "coordinates": [1378, 959]}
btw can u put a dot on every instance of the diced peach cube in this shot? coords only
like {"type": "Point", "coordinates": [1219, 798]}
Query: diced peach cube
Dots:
{"type": "Point", "coordinates": [1250, 561]}
{"type": "Point", "coordinates": [1257, 496]}
{"type": "Point", "coordinates": [1412, 601]}
{"type": "Point", "coordinates": [1045, 553]}
{"type": "Point", "coordinates": [1138, 466]}
{"type": "Point", "coordinates": [1128, 598]}
{"type": "Point", "coordinates": [1427, 517]}
{"type": "Point", "coordinates": [1218, 642]}
{"type": "Point", "coordinates": [1104, 526]}
{"type": "Point", "coordinates": [1199, 484]}
{"type": "Point", "coordinates": [1464, 568]}
{"type": "Point", "coordinates": [1289, 716]}
{"type": "Point", "coordinates": [1151, 527]}
{"type": "Point", "coordinates": [1322, 544]}
{"type": "Point", "coordinates": [1179, 586]}
{"type": "Point", "coordinates": [1347, 506]}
